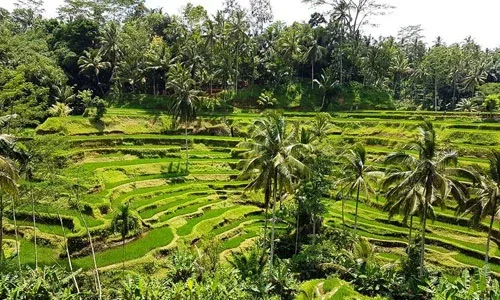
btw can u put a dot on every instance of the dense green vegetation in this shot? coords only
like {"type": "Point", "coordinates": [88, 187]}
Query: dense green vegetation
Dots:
{"type": "Point", "coordinates": [153, 156]}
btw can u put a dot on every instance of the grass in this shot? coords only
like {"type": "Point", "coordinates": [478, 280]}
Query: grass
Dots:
{"type": "Point", "coordinates": [155, 238]}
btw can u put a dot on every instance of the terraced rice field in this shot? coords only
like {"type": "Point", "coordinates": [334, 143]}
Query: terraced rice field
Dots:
{"type": "Point", "coordinates": [124, 163]}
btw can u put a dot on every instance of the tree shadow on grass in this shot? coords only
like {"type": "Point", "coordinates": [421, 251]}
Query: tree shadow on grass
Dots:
{"type": "Point", "coordinates": [98, 124]}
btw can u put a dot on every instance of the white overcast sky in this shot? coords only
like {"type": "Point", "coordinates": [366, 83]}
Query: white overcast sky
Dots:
{"type": "Point", "coordinates": [453, 20]}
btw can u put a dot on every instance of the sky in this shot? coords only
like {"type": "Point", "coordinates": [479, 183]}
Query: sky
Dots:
{"type": "Point", "coordinates": [453, 20]}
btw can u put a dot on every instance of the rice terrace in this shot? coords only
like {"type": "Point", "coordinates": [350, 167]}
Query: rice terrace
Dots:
{"type": "Point", "coordinates": [225, 155]}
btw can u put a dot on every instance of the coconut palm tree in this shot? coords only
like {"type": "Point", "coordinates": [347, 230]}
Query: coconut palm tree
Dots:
{"type": "Point", "coordinates": [485, 200]}
{"type": "Point", "coordinates": [124, 222]}
{"type": "Point", "coordinates": [326, 83]}
{"type": "Point", "coordinates": [430, 173]}
{"type": "Point", "coordinates": [476, 76]}
{"type": "Point", "coordinates": [239, 28]}
{"type": "Point", "coordinates": [409, 203]}
{"type": "Point", "coordinates": [322, 125]}
{"type": "Point", "coordinates": [92, 63]}
{"type": "Point", "coordinates": [359, 177]}
{"type": "Point", "coordinates": [468, 105]}
{"type": "Point", "coordinates": [60, 109]}
{"type": "Point", "coordinates": [110, 45]}
{"type": "Point", "coordinates": [8, 185]}
{"type": "Point", "coordinates": [272, 159]}
{"type": "Point", "coordinates": [342, 17]}
{"type": "Point", "coordinates": [314, 54]}
{"type": "Point", "coordinates": [186, 98]}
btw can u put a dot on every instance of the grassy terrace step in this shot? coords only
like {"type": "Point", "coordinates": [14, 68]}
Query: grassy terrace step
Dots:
{"type": "Point", "coordinates": [151, 240]}
{"type": "Point", "coordinates": [134, 162]}
{"type": "Point", "coordinates": [46, 255]}
{"type": "Point", "coordinates": [143, 196]}
{"type": "Point", "coordinates": [179, 207]}
{"type": "Point", "coordinates": [211, 213]}
{"type": "Point", "coordinates": [399, 233]}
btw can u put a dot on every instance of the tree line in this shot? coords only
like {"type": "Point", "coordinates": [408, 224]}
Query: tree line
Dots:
{"type": "Point", "coordinates": [118, 48]}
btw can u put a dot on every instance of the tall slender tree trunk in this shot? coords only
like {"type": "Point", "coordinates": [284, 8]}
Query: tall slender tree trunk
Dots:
{"type": "Point", "coordinates": [486, 257]}
{"type": "Point", "coordinates": [314, 230]}
{"type": "Point", "coordinates": [409, 234]}
{"type": "Point", "coordinates": [297, 228]}
{"type": "Point", "coordinates": [96, 270]}
{"type": "Point", "coordinates": [34, 225]}
{"type": "Point", "coordinates": [312, 75]}
{"type": "Point", "coordinates": [356, 213]}
{"type": "Point", "coordinates": [341, 56]}
{"type": "Point", "coordinates": [435, 95]}
{"type": "Point", "coordinates": [15, 233]}
{"type": "Point", "coordinates": [237, 66]}
{"type": "Point", "coordinates": [67, 252]}
{"type": "Point", "coordinates": [1, 229]}
{"type": "Point", "coordinates": [187, 146]}
{"type": "Point", "coordinates": [123, 256]}
{"type": "Point", "coordinates": [273, 221]}
{"type": "Point", "coordinates": [343, 219]}
{"type": "Point", "coordinates": [99, 84]}
{"type": "Point", "coordinates": [267, 194]}
{"type": "Point", "coordinates": [428, 195]}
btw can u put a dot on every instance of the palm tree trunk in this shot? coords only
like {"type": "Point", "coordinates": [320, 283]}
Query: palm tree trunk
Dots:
{"type": "Point", "coordinates": [435, 94]}
{"type": "Point", "coordinates": [323, 103]}
{"type": "Point", "coordinates": [356, 213]}
{"type": "Point", "coordinates": [34, 226]}
{"type": "Point", "coordinates": [15, 234]}
{"type": "Point", "coordinates": [341, 56]}
{"type": "Point", "coordinates": [67, 252]}
{"type": "Point", "coordinates": [187, 146]}
{"type": "Point", "coordinates": [123, 256]}
{"type": "Point", "coordinates": [96, 271]}
{"type": "Point", "coordinates": [266, 203]}
{"type": "Point", "coordinates": [297, 230]}
{"type": "Point", "coordinates": [99, 84]}
{"type": "Point", "coordinates": [1, 229]}
{"type": "Point", "coordinates": [312, 75]}
{"type": "Point", "coordinates": [486, 258]}
{"type": "Point", "coordinates": [273, 221]}
{"type": "Point", "coordinates": [236, 75]}
{"type": "Point", "coordinates": [428, 195]}
{"type": "Point", "coordinates": [343, 219]}
{"type": "Point", "coordinates": [314, 230]}
{"type": "Point", "coordinates": [409, 234]}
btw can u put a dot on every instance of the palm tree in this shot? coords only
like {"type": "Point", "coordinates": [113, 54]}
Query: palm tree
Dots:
{"type": "Point", "coordinates": [322, 125]}
{"type": "Point", "coordinates": [476, 76]}
{"type": "Point", "coordinates": [314, 54]}
{"type": "Point", "coordinates": [341, 16]}
{"type": "Point", "coordinates": [485, 196]}
{"type": "Point", "coordinates": [326, 83]}
{"type": "Point", "coordinates": [272, 158]}
{"type": "Point", "coordinates": [468, 105]}
{"type": "Point", "coordinates": [359, 176]}
{"type": "Point", "coordinates": [407, 204]}
{"type": "Point", "coordinates": [110, 43]}
{"type": "Point", "coordinates": [186, 99]}
{"type": "Point", "coordinates": [430, 174]}
{"type": "Point", "coordinates": [251, 264]}
{"type": "Point", "coordinates": [8, 185]}
{"type": "Point", "coordinates": [60, 109]}
{"type": "Point", "coordinates": [124, 222]}
{"type": "Point", "coordinates": [239, 29]}
{"type": "Point", "coordinates": [92, 63]}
